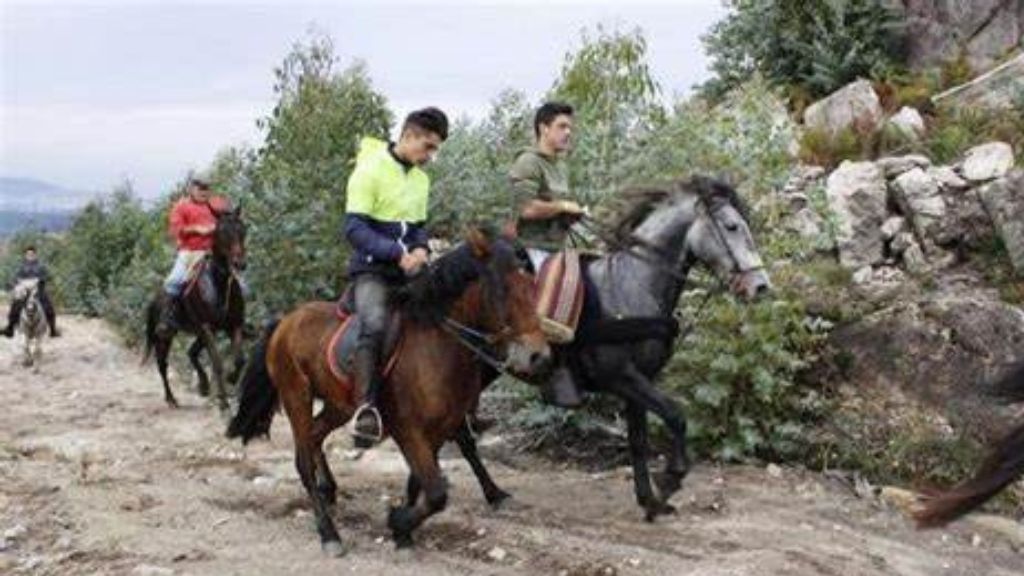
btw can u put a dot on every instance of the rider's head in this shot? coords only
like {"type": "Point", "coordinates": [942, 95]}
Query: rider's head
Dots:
{"type": "Point", "coordinates": [422, 134]}
{"type": "Point", "coordinates": [552, 125]}
{"type": "Point", "coordinates": [199, 190]}
{"type": "Point", "coordinates": [30, 253]}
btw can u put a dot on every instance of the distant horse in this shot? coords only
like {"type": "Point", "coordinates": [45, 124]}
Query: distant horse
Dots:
{"type": "Point", "coordinates": [661, 233]}
{"type": "Point", "coordinates": [33, 322]}
{"type": "Point", "coordinates": [213, 302]}
{"type": "Point", "coordinates": [1004, 465]}
{"type": "Point", "coordinates": [478, 288]}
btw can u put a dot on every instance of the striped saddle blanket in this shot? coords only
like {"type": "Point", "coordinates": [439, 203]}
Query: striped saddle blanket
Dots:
{"type": "Point", "coordinates": [560, 295]}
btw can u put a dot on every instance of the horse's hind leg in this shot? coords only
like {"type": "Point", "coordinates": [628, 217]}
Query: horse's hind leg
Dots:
{"type": "Point", "coordinates": [422, 460]}
{"type": "Point", "coordinates": [328, 420]}
{"type": "Point", "coordinates": [194, 350]}
{"type": "Point", "coordinates": [163, 349]}
{"type": "Point", "coordinates": [297, 400]}
{"type": "Point", "coordinates": [467, 445]}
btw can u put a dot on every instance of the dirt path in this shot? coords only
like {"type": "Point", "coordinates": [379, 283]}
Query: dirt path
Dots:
{"type": "Point", "coordinates": [98, 477]}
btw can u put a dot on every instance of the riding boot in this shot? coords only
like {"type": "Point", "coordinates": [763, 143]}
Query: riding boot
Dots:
{"type": "Point", "coordinates": [368, 429]}
{"type": "Point", "coordinates": [560, 389]}
{"type": "Point", "coordinates": [12, 318]}
{"type": "Point", "coordinates": [168, 322]}
{"type": "Point", "coordinates": [51, 319]}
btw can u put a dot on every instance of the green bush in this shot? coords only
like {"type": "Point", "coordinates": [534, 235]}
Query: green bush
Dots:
{"type": "Point", "coordinates": [817, 46]}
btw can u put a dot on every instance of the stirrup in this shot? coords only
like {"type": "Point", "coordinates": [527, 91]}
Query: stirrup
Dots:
{"type": "Point", "coordinates": [365, 440]}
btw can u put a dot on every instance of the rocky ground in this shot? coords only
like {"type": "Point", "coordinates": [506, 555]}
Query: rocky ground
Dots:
{"type": "Point", "coordinates": [97, 476]}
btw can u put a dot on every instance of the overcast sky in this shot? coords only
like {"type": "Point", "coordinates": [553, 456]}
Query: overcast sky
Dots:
{"type": "Point", "coordinates": [96, 92]}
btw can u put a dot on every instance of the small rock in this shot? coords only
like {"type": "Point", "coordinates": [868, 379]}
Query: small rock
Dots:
{"type": "Point", "coordinates": [893, 166]}
{"type": "Point", "coordinates": [774, 470]}
{"type": "Point", "coordinates": [898, 497]}
{"type": "Point", "coordinates": [150, 570]}
{"type": "Point", "coordinates": [909, 123]}
{"type": "Point", "coordinates": [862, 275]}
{"type": "Point", "coordinates": [893, 226]}
{"type": "Point", "coordinates": [975, 540]}
{"type": "Point", "coordinates": [634, 562]}
{"type": "Point", "coordinates": [15, 532]}
{"type": "Point", "coordinates": [497, 554]}
{"type": "Point", "coordinates": [264, 481]}
{"type": "Point", "coordinates": [481, 532]}
{"type": "Point", "coordinates": [914, 259]}
{"type": "Point", "coordinates": [988, 161]}
{"type": "Point", "coordinates": [947, 178]}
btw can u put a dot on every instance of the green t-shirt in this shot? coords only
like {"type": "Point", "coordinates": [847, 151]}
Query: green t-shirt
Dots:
{"type": "Point", "coordinates": [536, 176]}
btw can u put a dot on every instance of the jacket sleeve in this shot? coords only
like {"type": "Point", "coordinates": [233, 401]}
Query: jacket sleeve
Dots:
{"type": "Point", "coordinates": [418, 236]}
{"type": "Point", "coordinates": [525, 179]}
{"type": "Point", "coordinates": [360, 234]}
{"type": "Point", "coordinates": [176, 221]}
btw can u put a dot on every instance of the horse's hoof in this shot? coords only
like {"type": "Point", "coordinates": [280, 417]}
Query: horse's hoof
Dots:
{"type": "Point", "coordinates": [498, 499]}
{"type": "Point", "coordinates": [403, 541]}
{"type": "Point", "coordinates": [171, 402]}
{"type": "Point", "coordinates": [334, 549]}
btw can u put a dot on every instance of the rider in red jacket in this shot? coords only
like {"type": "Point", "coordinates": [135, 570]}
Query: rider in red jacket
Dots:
{"type": "Point", "coordinates": [192, 222]}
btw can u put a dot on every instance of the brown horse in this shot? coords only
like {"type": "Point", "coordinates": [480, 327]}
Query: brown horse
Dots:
{"type": "Point", "coordinates": [214, 304]}
{"type": "Point", "coordinates": [1004, 465]}
{"type": "Point", "coordinates": [433, 384]}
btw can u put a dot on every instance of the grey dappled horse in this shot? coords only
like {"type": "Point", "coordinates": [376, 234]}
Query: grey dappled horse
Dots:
{"type": "Point", "coordinates": [33, 322]}
{"type": "Point", "coordinates": [657, 240]}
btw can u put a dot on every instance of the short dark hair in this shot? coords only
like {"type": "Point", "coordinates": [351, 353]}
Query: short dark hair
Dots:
{"type": "Point", "coordinates": [30, 248]}
{"type": "Point", "coordinates": [548, 112]}
{"type": "Point", "coordinates": [430, 119]}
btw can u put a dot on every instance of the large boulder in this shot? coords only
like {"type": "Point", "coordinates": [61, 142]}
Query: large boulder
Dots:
{"type": "Point", "coordinates": [938, 351]}
{"type": "Point", "coordinates": [918, 196]}
{"type": "Point", "coordinates": [988, 161]}
{"type": "Point", "coordinates": [1004, 202]}
{"type": "Point", "coordinates": [856, 193]}
{"type": "Point", "coordinates": [995, 89]}
{"type": "Point", "coordinates": [856, 105]}
{"type": "Point", "coordinates": [983, 30]}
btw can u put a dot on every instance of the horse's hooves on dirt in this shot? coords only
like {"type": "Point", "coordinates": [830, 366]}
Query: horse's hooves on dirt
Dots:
{"type": "Point", "coordinates": [334, 549]}
{"type": "Point", "coordinates": [658, 509]}
{"type": "Point", "coordinates": [403, 542]}
{"type": "Point", "coordinates": [499, 499]}
{"type": "Point", "coordinates": [171, 402]}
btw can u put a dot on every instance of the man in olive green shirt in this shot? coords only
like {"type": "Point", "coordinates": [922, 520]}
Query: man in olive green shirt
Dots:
{"type": "Point", "coordinates": [543, 210]}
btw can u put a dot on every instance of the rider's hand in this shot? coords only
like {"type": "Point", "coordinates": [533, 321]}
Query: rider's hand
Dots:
{"type": "Point", "coordinates": [571, 208]}
{"type": "Point", "coordinates": [422, 254]}
{"type": "Point", "coordinates": [409, 263]}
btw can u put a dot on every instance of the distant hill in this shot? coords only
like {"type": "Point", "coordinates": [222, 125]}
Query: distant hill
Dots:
{"type": "Point", "coordinates": [29, 203]}
{"type": "Point", "coordinates": [12, 221]}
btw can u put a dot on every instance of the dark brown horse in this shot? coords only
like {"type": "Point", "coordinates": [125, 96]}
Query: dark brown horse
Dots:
{"type": "Point", "coordinates": [212, 303]}
{"type": "Point", "coordinates": [1003, 466]}
{"type": "Point", "coordinates": [433, 384]}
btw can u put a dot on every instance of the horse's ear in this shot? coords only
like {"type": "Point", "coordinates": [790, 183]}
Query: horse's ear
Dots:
{"type": "Point", "coordinates": [479, 242]}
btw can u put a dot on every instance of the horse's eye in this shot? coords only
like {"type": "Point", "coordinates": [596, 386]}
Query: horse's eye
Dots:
{"type": "Point", "coordinates": [732, 227]}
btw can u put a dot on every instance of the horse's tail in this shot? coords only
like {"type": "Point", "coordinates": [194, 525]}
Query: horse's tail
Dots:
{"type": "Point", "coordinates": [257, 394]}
{"type": "Point", "coordinates": [152, 319]}
{"type": "Point", "coordinates": [1004, 465]}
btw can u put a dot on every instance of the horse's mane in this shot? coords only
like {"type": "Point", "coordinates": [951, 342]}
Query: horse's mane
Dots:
{"type": "Point", "coordinates": [633, 205]}
{"type": "Point", "coordinates": [428, 296]}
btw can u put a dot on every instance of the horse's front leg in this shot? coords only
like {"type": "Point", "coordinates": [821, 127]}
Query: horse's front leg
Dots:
{"type": "Point", "coordinates": [206, 334]}
{"type": "Point", "coordinates": [467, 445]}
{"type": "Point", "coordinates": [423, 465]}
